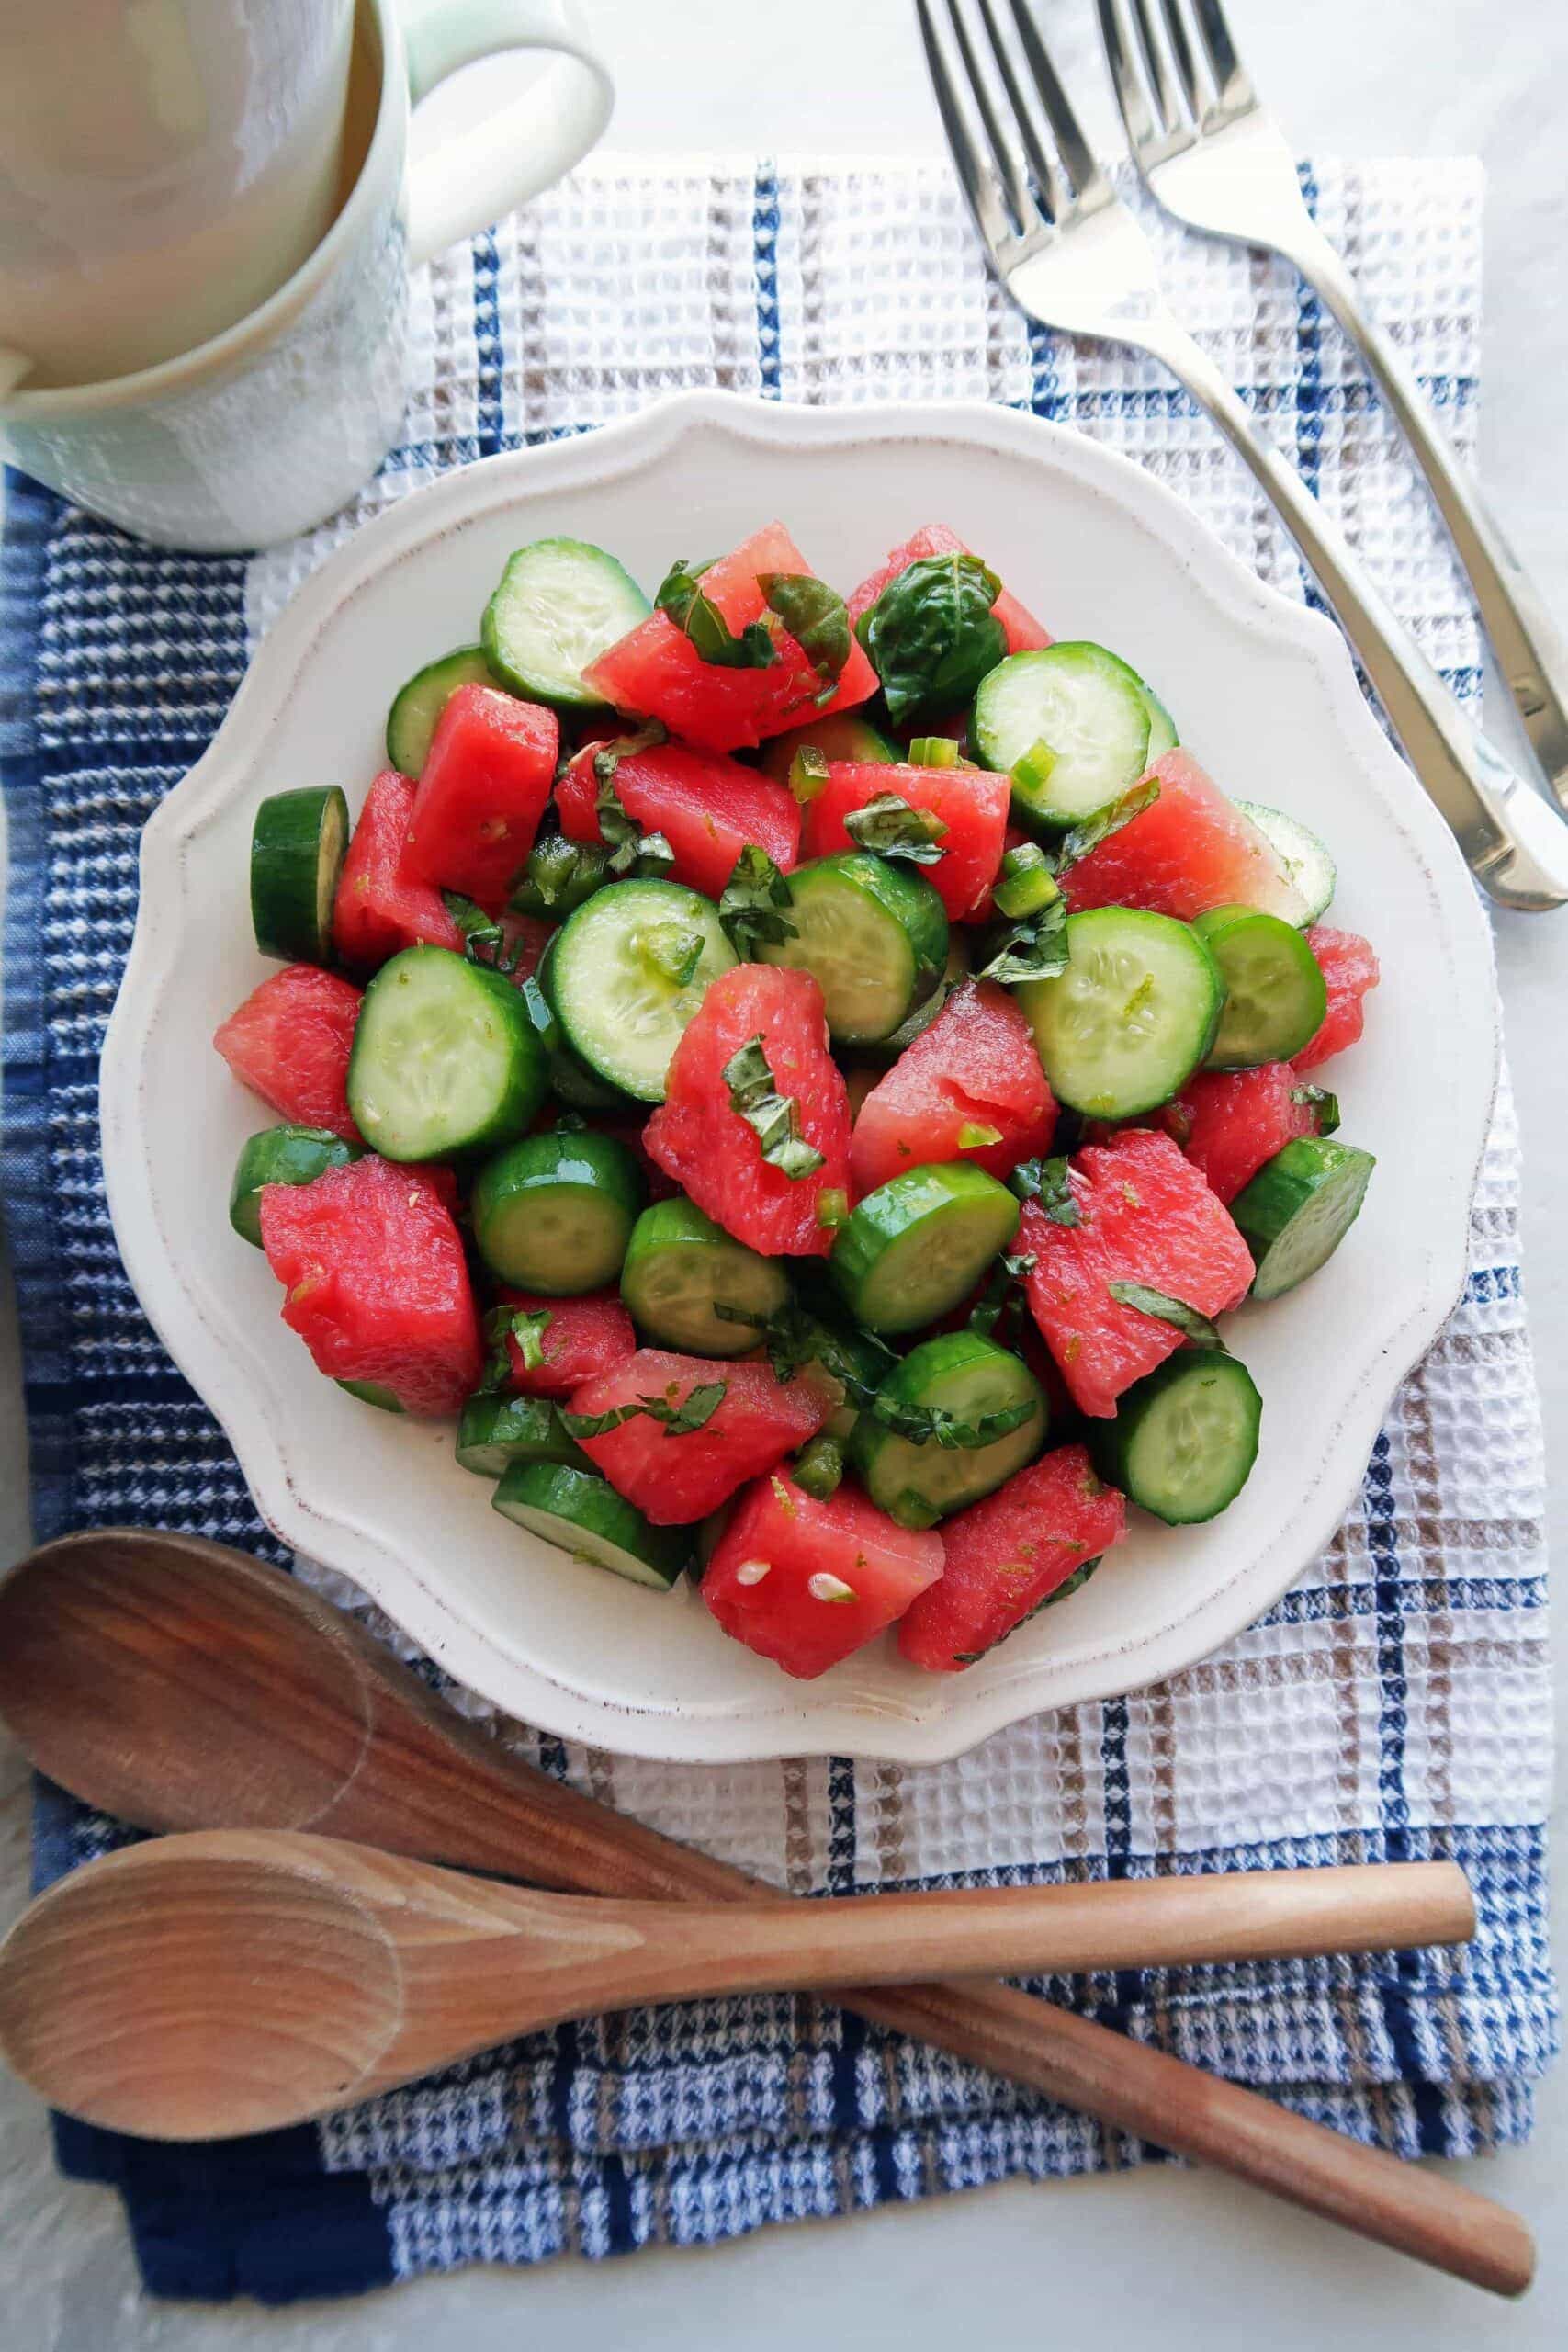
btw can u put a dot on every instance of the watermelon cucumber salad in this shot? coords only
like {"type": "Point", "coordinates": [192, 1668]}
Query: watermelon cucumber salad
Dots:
{"type": "Point", "coordinates": [796, 1079]}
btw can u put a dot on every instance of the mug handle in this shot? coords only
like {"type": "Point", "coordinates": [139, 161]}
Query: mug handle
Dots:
{"type": "Point", "coordinates": [472, 181]}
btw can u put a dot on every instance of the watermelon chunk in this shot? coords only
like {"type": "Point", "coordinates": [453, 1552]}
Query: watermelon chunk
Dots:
{"type": "Point", "coordinates": [376, 1282]}
{"type": "Point", "coordinates": [585, 1337]}
{"type": "Point", "coordinates": [1007, 1554]}
{"type": "Point", "coordinates": [290, 1041]}
{"type": "Point", "coordinates": [1228, 1122]}
{"type": "Point", "coordinates": [1023, 632]}
{"type": "Point", "coordinates": [1192, 850]}
{"type": "Point", "coordinates": [481, 794]}
{"type": "Point", "coordinates": [672, 1478]}
{"type": "Point", "coordinates": [1146, 1216]}
{"type": "Point", "coordinates": [699, 1138]}
{"type": "Point", "coordinates": [806, 1582]}
{"type": "Point", "coordinates": [1350, 969]}
{"type": "Point", "coordinates": [707, 807]}
{"type": "Point", "coordinates": [971, 802]}
{"type": "Point", "coordinates": [974, 1072]}
{"type": "Point", "coordinates": [379, 907]}
{"type": "Point", "coordinates": [656, 673]}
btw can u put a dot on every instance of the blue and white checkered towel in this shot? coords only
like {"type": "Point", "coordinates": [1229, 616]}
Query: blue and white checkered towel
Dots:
{"type": "Point", "coordinates": [1395, 1702]}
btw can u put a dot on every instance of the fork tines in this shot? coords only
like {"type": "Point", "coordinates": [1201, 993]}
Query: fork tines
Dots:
{"type": "Point", "coordinates": [1174, 97]}
{"type": "Point", "coordinates": [1020, 155]}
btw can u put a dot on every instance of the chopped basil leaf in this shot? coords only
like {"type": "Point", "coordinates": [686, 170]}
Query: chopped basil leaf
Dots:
{"type": "Point", "coordinates": [773, 1118]}
{"type": "Point", "coordinates": [527, 1327]}
{"type": "Point", "coordinates": [631, 850]}
{"type": "Point", "coordinates": [893, 829]}
{"type": "Point", "coordinates": [698, 1408]}
{"type": "Point", "coordinates": [1325, 1105]}
{"type": "Point", "coordinates": [1034, 949]}
{"type": "Point", "coordinates": [581, 1424]}
{"type": "Point", "coordinates": [1049, 1182]}
{"type": "Point", "coordinates": [705, 628]}
{"type": "Point", "coordinates": [751, 903]}
{"type": "Point", "coordinates": [1000, 1299]}
{"type": "Point", "coordinates": [1091, 830]}
{"type": "Point", "coordinates": [932, 635]}
{"type": "Point", "coordinates": [934, 1425]}
{"type": "Point", "coordinates": [1166, 1309]}
{"type": "Point", "coordinates": [816, 616]}
{"type": "Point", "coordinates": [1069, 1585]}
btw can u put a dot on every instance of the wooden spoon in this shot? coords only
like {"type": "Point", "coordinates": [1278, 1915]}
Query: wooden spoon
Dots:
{"type": "Point", "coordinates": [184, 1685]}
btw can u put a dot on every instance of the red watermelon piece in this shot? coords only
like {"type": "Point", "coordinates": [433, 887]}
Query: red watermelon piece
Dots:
{"type": "Point", "coordinates": [483, 788]}
{"type": "Point", "coordinates": [975, 1067]}
{"type": "Point", "coordinates": [585, 1337]}
{"type": "Point", "coordinates": [1190, 851]}
{"type": "Point", "coordinates": [1008, 1554]}
{"type": "Point", "coordinates": [1024, 634]}
{"type": "Point", "coordinates": [656, 672]}
{"type": "Point", "coordinates": [698, 1138]}
{"type": "Point", "coordinates": [524, 938]}
{"type": "Point", "coordinates": [1229, 1122]}
{"type": "Point", "coordinates": [707, 807]}
{"type": "Point", "coordinates": [675, 1479]}
{"type": "Point", "coordinates": [290, 1041]}
{"type": "Point", "coordinates": [806, 1582]}
{"type": "Point", "coordinates": [1146, 1216]}
{"type": "Point", "coordinates": [380, 906]}
{"type": "Point", "coordinates": [376, 1282]}
{"type": "Point", "coordinates": [971, 802]}
{"type": "Point", "coordinates": [1350, 969]}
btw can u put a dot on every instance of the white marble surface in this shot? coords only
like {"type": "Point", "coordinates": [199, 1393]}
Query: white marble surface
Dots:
{"type": "Point", "coordinates": [1097, 2262]}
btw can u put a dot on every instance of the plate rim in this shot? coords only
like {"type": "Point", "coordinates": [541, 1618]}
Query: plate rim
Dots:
{"type": "Point", "coordinates": [962, 1711]}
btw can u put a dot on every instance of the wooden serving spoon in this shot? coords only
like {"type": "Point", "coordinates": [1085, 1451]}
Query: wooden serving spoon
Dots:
{"type": "Point", "coordinates": [184, 1685]}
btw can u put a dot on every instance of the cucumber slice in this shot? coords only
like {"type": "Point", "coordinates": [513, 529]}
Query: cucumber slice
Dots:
{"type": "Point", "coordinates": [296, 852]}
{"type": "Point", "coordinates": [554, 1211]}
{"type": "Point", "coordinates": [1124, 1028]}
{"type": "Point", "coordinates": [1163, 737]}
{"type": "Point", "coordinates": [622, 1012]}
{"type": "Point", "coordinates": [886, 1051]}
{"type": "Point", "coordinates": [417, 707]}
{"type": "Point", "coordinates": [1307, 863]}
{"type": "Point", "coordinates": [969, 1376]}
{"type": "Point", "coordinates": [571, 1081]}
{"type": "Point", "coordinates": [583, 1514]}
{"type": "Point", "coordinates": [1276, 996]}
{"type": "Point", "coordinates": [679, 1266]}
{"type": "Point", "coordinates": [844, 735]}
{"type": "Point", "coordinates": [872, 935]}
{"type": "Point", "coordinates": [1184, 1439]}
{"type": "Point", "coordinates": [1087, 707]}
{"type": "Point", "coordinates": [495, 1431]}
{"type": "Point", "coordinates": [285, 1155]}
{"type": "Point", "coordinates": [919, 1243]}
{"type": "Point", "coordinates": [445, 1060]}
{"type": "Point", "coordinates": [561, 604]}
{"type": "Point", "coordinates": [1298, 1209]}
{"type": "Point", "coordinates": [372, 1392]}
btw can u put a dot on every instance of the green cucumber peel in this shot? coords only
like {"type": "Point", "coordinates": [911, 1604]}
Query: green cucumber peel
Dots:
{"type": "Point", "coordinates": [819, 1468]}
{"type": "Point", "coordinates": [932, 635]}
{"type": "Point", "coordinates": [1026, 886]}
{"type": "Point", "coordinates": [773, 1118]}
{"type": "Point", "coordinates": [816, 618]}
{"type": "Point", "coordinates": [890, 826]}
{"type": "Point", "coordinates": [561, 875]}
{"type": "Point", "coordinates": [1192, 1326]}
{"type": "Point", "coordinates": [703, 626]}
{"type": "Point", "coordinates": [751, 903]}
{"type": "Point", "coordinates": [1064, 1591]}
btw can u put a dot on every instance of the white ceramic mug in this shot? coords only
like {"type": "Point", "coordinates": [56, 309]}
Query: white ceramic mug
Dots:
{"type": "Point", "coordinates": [164, 166]}
{"type": "Point", "coordinates": [269, 426]}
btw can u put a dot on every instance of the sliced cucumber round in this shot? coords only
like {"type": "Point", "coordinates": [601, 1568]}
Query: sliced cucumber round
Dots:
{"type": "Point", "coordinates": [1308, 866]}
{"type": "Point", "coordinates": [875, 937]}
{"type": "Point", "coordinates": [969, 1376]}
{"type": "Point", "coordinates": [561, 604]}
{"type": "Point", "coordinates": [885, 1051]}
{"type": "Point", "coordinates": [609, 979]}
{"type": "Point", "coordinates": [1276, 996]}
{"type": "Point", "coordinates": [1184, 1439]}
{"type": "Point", "coordinates": [559, 877]}
{"type": "Point", "coordinates": [285, 1155]}
{"type": "Point", "coordinates": [297, 843]}
{"type": "Point", "coordinates": [582, 1513]}
{"type": "Point", "coordinates": [1077, 716]}
{"type": "Point", "coordinates": [919, 1243]}
{"type": "Point", "coordinates": [445, 1060]}
{"type": "Point", "coordinates": [1298, 1209]}
{"type": "Point", "coordinates": [571, 1080]}
{"type": "Point", "coordinates": [844, 735]}
{"type": "Point", "coordinates": [554, 1211]}
{"type": "Point", "coordinates": [1124, 1028]}
{"type": "Point", "coordinates": [1163, 737]}
{"type": "Point", "coordinates": [417, 707]}
{"type": "Point", "coordinates": [681, 1267]}
{"type": "Point", "coordinates": [495, 1431]}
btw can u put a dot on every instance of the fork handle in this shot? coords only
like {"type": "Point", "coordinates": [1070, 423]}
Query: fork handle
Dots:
{"type": "Point", "coordinates": [1512, 841]}
{"type": "Point", "coordinates": [1530, 649]}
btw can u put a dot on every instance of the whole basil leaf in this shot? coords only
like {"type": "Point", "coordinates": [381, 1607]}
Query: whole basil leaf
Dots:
{"type": "Point", "coordinates": [705, 628]}
{"type": "Point", "coordinates": [932, 635]}
{"type": "Point", "coordinates": [817, 619]}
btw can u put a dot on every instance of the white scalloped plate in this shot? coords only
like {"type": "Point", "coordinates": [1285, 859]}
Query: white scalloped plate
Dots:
{"type": "Point", "coordinates": [1266, 697]}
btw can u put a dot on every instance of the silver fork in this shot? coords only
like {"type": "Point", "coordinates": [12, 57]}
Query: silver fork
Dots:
{"type": "Point", "coordinates": [1217, 159]}
{"type": "Point", "coordinates": [1072, 257]}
